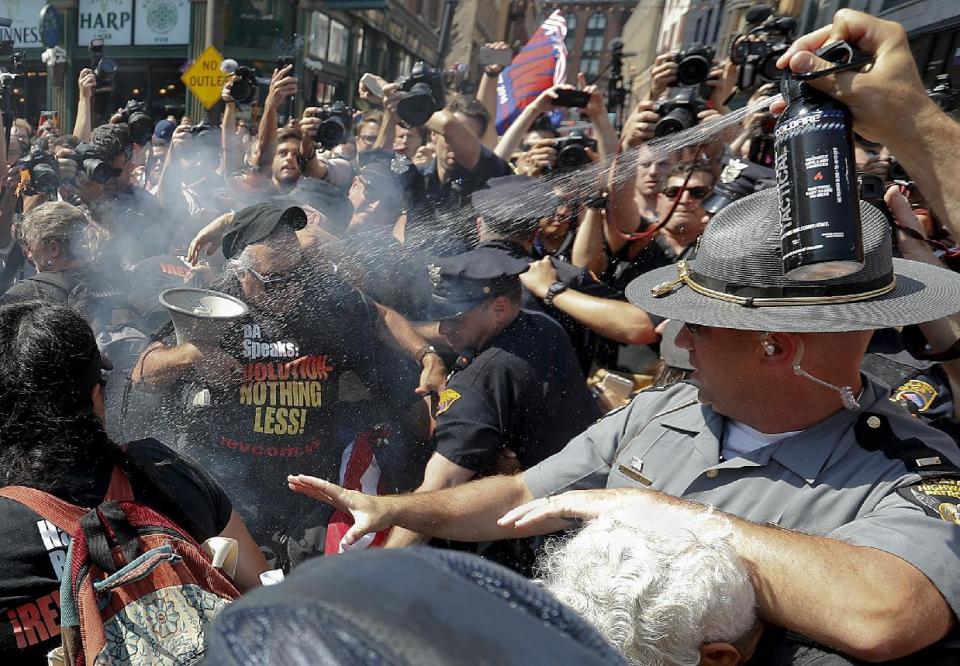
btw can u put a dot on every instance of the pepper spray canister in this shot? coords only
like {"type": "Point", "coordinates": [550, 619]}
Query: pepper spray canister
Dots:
{"type": "Point", "coordinates": [816, 175]}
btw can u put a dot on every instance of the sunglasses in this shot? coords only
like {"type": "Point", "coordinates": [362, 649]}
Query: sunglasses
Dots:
{"type": "Point", "coordinates": [693, 328]}
{"type": "Point", "coordinates": [269, 282]}
{"type": "Point", "coordinates": [698, 193]}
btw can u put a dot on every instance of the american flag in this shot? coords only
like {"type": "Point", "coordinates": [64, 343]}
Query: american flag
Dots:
{"type": "Point", "coordinates": [542, 63]}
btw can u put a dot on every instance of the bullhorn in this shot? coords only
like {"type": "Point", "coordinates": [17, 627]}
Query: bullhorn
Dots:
{"type": "Point", "coordinates": [199, 315]}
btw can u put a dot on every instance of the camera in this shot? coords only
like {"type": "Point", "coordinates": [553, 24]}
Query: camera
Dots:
{"type": "Point", "coordinates": [571, 150]}
{"type": "Point", "coordinates": [43, 169]}
{"type": "Point", "coordinates": [757, 51]}
{"type": "Point", "coordinates": [422, 94]}
{"type": "Point", "coordinates": [693, 65]}
{"type": "Point", "coordinates": [944, 94]}
{"type": "Point", "coordinates": [103, 68]}
{"type": "Point", "coordinates": [90, 163]}
{"type": "Point", "coordinates": [896, 170]}
{"type": "Point", "coordinates": [135, 115]}
{"type": "Point", "coordinates": [244, 88]}
{"type": "Point", "coordinates": [336, 121]}
{"type": "Point", "coordinates": [678, 111]}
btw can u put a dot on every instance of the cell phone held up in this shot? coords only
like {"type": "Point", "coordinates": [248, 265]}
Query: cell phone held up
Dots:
{"type": "Point", "coordinates": [286, 61]}
{"type": "Point", "coordinates": [571, 98]}
{"type": "Point", "coordinates": [490, 56]}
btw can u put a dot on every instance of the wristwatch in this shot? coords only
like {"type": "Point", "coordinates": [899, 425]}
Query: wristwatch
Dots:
{"type": "Point", "coordinates": [423, 351]}
{"type": "Point", "coordinates": [553, 291]}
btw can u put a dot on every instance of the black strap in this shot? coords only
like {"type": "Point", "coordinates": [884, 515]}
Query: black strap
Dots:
{"type": "Point", "coordinates": [98, 547]}
{"type": "Point", "coordinates": [105, 527]}
{"type": "Point", "coordinates": [792, 291]}
{"type": "Point", "coordinates": [126, 536]}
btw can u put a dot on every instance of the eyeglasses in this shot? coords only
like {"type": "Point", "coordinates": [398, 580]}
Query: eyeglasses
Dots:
{"type": "Point", "coordinates": [269, 282]}
{"type": "Point", "coordinates": [698, 193]}
{"type": "Point", "coordinates": [368, 139]}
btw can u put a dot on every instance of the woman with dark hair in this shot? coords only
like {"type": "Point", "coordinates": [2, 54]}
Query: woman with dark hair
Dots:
{"type": "Point", "coordinates": [52, 438]}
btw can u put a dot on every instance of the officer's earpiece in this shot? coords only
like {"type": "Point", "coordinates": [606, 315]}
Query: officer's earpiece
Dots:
{"type": "Point", "coordinates": [768, 347]}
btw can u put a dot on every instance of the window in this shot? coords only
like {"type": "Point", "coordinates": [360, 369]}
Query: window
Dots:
{"type": "Point", "coordinates": [716, 26]}
{"type": "Point", "coordinates": [706, 27]}
{"type": "Point", "coordinates": [597, 22]}
{"type": "Point", "coordinates": [339, 43]}
{"type": "Point", "coordinates": [319, 34]}
{"type": "Point", "coordinates": [590, 64]}
{"type": "Point", "coordinates": [571, 31]}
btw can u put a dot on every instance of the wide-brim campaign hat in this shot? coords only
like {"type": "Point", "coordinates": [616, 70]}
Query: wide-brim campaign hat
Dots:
{"type": "Point", "coordinates": [737, 280]}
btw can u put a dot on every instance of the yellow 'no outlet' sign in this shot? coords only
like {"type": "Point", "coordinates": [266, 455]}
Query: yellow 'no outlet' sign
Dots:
{"type": "Point", "coordinates": [204, 78]}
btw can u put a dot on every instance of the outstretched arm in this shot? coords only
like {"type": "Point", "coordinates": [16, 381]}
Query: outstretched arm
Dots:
{"type": "Point", "coordinates": [823, 588]}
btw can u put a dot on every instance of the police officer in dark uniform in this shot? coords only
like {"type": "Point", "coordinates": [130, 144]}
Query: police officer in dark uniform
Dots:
{"type": "Point", "coordinates": [510, 210]}
{"type": "Point", "coordinates": [517, 394]}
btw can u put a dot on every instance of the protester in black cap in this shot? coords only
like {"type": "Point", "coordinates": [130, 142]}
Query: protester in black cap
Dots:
{"type": "Point", "coordinates": [271, 390]}
{"type": "Point", "coordinates": [517, 386]}
{"type": "Point", "coordinates": [808, 460]}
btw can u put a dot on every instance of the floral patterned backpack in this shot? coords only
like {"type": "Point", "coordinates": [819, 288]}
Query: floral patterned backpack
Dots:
{"type": "Point", "coordinates": [136, 588]}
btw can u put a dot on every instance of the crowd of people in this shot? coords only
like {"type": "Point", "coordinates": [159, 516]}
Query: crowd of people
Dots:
{"type": "Point", "coordinates": [567, 348]}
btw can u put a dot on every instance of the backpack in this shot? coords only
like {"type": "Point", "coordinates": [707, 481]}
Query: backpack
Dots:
{"type": "Point", "coordinates": [136, 587]}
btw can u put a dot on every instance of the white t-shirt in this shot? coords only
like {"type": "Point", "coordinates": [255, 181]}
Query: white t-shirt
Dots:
{"type": "Point", "coordinates": [739, 439]}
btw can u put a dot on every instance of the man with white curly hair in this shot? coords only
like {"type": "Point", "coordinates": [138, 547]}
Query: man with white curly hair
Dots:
{"type": "Point", "coordinates": [664, 593]}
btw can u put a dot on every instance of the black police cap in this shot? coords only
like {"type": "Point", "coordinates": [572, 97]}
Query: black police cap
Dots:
{"type": "Point", "coordinates": [514, 204]}
{"type": "Point", "coordinates": [257, 222]}
{"type": "Point", "coordinates": [738, 178]}
{"type": "Point", "coordinates": [463, 281]}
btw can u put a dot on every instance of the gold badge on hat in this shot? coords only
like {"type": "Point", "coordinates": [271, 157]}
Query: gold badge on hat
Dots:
{"type": "Point", "coordinates": [732, 171]}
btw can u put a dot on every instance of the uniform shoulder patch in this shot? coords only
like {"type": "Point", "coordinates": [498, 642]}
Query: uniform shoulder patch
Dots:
{"type": "Point", "coordinates": [937, 496]}
{"type": "Point", "coordinates": [917, 394]}
{"type": "Point", "coordinates": [447, 398]}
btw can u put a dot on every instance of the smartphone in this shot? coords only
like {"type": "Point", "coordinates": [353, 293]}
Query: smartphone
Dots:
{"type": "Point", "coordinates": [369, 81]}
{"type": "Point", "coordinates": [572, 98]}
{"type": "Point", "coordinates": [286, 61]}
{"type": "Point", "coordinates": [489, 56]}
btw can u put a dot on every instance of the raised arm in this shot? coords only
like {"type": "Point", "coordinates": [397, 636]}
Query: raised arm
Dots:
{"type": "Point", "coordinates": [487, 95]}
{"type": "Point", "coordinates": [82, 127]}
{"type": "Point", "coordinates": [466, 146]}
{"type": "Point", "coordinates": [889, 104]}
{"type": "Point", "coordinates": [282, 85]}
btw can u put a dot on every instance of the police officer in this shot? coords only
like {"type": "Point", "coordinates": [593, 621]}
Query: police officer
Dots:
{"type": "Point", "coordinates": [516, 390]}
{"type": "Point", "coordinates": [842, 504]}
{"type": "Point", "coordinates": [511, 210]}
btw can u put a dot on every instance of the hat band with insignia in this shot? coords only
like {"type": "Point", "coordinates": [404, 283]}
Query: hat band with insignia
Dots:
{"type": "Point", "coordinates": [775, 296]}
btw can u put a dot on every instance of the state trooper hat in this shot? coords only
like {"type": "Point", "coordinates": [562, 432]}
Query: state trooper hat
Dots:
{"type": "Point", "coordinates": [737, 280]}
{"type": "Point", "coordinates": [463, 281]}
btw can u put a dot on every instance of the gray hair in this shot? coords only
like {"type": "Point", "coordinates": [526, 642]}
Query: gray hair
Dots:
{"type": "Point", "coordinates": [56, 221]}
{"type": "Point", "coordinates": [656, 585]}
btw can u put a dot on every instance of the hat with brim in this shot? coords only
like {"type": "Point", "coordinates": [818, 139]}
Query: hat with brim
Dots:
{"type": "Point", "coordinates": [737, 281]}
{"type": "Point", "coordinates": [257, 222]}
{"type": "Point", "coordinates": [463, 281]}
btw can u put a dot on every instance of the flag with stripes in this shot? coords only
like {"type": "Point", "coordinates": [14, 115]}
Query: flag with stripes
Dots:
{"type": "Point", "coordinates": [542, 63]}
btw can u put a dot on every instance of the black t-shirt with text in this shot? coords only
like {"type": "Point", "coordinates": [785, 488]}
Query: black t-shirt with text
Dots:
{"type": "Point", "coordinates": [33, 551]}
{"type": "Point", "coordinates": [282, 415]}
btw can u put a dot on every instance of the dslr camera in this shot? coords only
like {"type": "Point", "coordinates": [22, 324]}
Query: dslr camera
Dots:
{"type": "Point", "coordinates": [571, 150]}
{"type": "Point", "coordinates": [336, 120]}
{"type": "Point", "coordinates": [42, 168]}
{"type": "Point", "coordinates": [104, 68]}
{"type": "Point", "coordinates": [135, 115]}
{"type": "Point", "coordinates": [693, 65]}
{"type": "Point", "coordinates": [244, 88]}
{"type": "Point", "coordinates": [90, 163]}
{"type": "Point", "coordinates": [678, 111]}
{"type": "Point", "coordinates": [756, 52]}
{"type": "Point", "coordinates": [422, 94]}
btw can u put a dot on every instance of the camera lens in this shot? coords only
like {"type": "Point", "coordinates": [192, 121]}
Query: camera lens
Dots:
{"type": "Point", "coordinates": [572, 156]}
{"type": "Point", "coordinates": [44, 178]}
{"type": "Point", "coordinates": [677, 120]}
{"type": "Point", "coordinates": [106, 70]}
{"type": "Point", "coordinates": [331, 132]}
{"type": "Point", "coordinates": [416, 106]}
{"type": "Point", "coordinates": [141, 128]}
{"type": "Point", "coordinates": [693, 70]}
{"type": "Point", "coordinates": [97, 170]}
{"type": "Point", "coordinates": [241, 91]}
